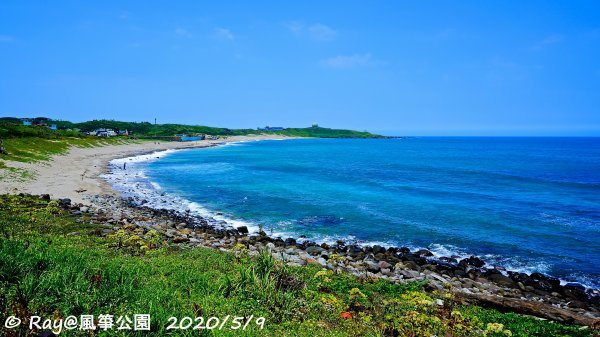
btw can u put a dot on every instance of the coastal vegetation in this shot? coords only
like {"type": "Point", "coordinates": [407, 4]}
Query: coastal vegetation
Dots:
{"type": "Point", "coordinates": [29, 143]}
{"type": "Point", "coordinates": [11, 127]}
{"type": "Point", "coordinates": [146, 129]}
{"type": "Point", "coordinates": [56, 262]}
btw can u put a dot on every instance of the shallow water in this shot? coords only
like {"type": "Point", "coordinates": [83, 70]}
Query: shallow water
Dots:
{"type": "Point", "coordinates": [530, 204]}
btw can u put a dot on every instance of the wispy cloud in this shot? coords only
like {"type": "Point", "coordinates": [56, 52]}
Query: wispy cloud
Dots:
{"type": "Point", "coordinates": [6, 38]}
{"type": "Point", "coordinates": [124, 15]}
{"type": "Point", "coordinates": [224, 34]}
{"type": "Point", "coordinates": [295, 27]}
{"type": "Point", "coordinates": [316, 31]}
{"type": "Point", "coordinates": [547, 41]}
{"type": "Point", "coordinates": [321, 32]}
{"type": "Point", "coordinates": [348, 61]}
{"type": "Point", "coordinates": [182, 32]}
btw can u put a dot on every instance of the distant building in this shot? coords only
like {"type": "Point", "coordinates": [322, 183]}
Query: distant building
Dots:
{"type": "Point", "coordinates": [53, 127]}
{"type": "Point", "coordinates": [186, 138]}
{"type": "Point", "coordinates": [26, 122]}
{"type": "Point", "coordinates": [271, 128]}
{"type": "Point", "coordinates": [104, 133]}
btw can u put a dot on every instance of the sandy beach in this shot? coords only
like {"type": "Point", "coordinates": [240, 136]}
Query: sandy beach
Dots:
{"type": "Point", "coordinates": [75, 174]}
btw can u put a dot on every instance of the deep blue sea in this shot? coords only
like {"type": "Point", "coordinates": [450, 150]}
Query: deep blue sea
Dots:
{"type": "Point", "coordinates": [530, 204]}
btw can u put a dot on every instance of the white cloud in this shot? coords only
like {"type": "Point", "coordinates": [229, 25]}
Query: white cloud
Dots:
{"type": "Point", "coordinates": [321, 32]}
{"type": "Point", "coordinates": [316, 31]}
{"type": "Point", "coordinates": [182, 32]}
{"type": "Point", "coordinates": [348, 61]}
{"type": "Point", "coordinates": [6, 38]}
{"type": "Point", "coordinates": [222, 34]}
{"type": "Point", "coordinates": [547, 41]}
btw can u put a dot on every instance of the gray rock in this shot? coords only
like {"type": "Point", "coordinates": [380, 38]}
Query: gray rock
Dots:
{"type": "Point", "coordinates": [384, 265]}
{"type": "Point", "coordinates": [372, 266]}
{"type": "Point", "coordinates": [314, 250]}
{"type": "Point", "coordinates": [502, 280]}
{"type": "Point", "coordinates": [409, 273]}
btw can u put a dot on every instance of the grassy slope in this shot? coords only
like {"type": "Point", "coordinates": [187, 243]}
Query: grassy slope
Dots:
{"type": "Point", "coordinates": [35, 143]}
{"type": "Point", "coordinates": [32, 149]}
{"type": "Point", "coordinates": [46, 271]}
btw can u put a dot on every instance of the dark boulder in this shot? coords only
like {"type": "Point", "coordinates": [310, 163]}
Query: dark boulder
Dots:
{"type": "Point", "coordinates": [340, 246]}
{"type": "Point", "coordinates": [354, 251]}
{"type": "Point", "coordinates": [243, 230]}
{"type": "Point", "coordinates": [501, 280]}
{"type": "Point", "coordinates": [423, 252]}
{"type": "Point", "coordinates": [414, 258]}
{"type": "Point", "coordinates": [448, 259]}
{"type": "Point", "coordinates": [575, 291]}
{"type": "Point", "coordinates": [444, 267]}
{"type": "Point", "coordinates": [307, 244]}
{"type": "Point", "coordinates": [549, 285]}
{"type": "Point", "coordinates": [290, 242]}
{"type": "Point", "coordinates": [64, 203]}
{"type": "Point", "coordinates": [593, 296]}
{"type": "Point", "coordinates": [459, 272]}
{"type": "Point", "coordinates": [542, 282]}
{"type": "Point", "coordinates": [404, 250]}
{"type": "Point", "coordinates": [377, 249]}
{"type": "Point", "coordinates": [472, 261]}
{"type": "Point", "coordinates": [518, 277]}
{"type": "Point", "coordinates": [45, 196]}
{"type": "Point", "coordinates": [538, 276]}
{"type": "Point", "coordinates": [393, 250]}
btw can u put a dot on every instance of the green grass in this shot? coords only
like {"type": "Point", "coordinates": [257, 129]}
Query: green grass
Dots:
{"type": "Point", "coordinates": [31, 149]}
{"type": "Point", "coordinates": [14, 173]}
{"type": "Point", "coordinates": [47, 270]}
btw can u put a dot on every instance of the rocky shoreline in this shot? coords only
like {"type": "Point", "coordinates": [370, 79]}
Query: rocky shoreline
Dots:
{"type": "Point", "coordinates": [470, 279]}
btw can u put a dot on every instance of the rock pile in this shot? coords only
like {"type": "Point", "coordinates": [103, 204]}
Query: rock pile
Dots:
{"type": "Point", "coordinates": [470, 278]}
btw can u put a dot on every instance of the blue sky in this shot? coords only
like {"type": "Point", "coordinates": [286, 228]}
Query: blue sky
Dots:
{"type": "Point", "coordinates": [405, 68]}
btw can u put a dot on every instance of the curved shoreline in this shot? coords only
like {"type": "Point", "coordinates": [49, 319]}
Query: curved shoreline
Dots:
{"type": "Point", "coordinates": [75, 174]}
{"type": "Point", "coordinates": [470, 279]}
{"type": "Point", "coordinates": [151, 196]}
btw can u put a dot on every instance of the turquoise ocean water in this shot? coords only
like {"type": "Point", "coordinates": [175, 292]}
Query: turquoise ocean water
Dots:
{"type": "Point", "coordinates": [530, 204]}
